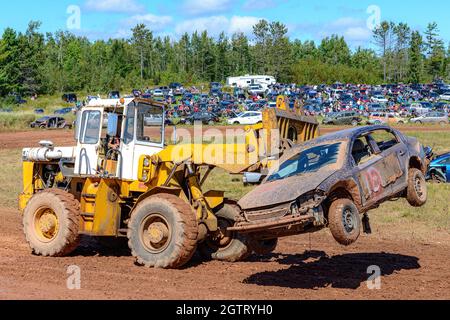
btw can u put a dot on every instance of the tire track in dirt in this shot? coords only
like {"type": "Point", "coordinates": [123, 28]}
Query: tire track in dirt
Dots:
{"type": "Point", "coordinates": [410, 270]}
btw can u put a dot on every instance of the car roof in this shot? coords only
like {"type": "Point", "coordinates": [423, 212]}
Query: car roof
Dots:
{"type": "Point", "coordinates": [346, 134]}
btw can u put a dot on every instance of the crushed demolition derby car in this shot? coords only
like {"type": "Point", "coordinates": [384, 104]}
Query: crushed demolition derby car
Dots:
{"type": "Point", "coordinates": [333, 181]}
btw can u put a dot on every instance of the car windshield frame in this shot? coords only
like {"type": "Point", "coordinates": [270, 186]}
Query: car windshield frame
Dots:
{"type": "Point", "coordinates": [293, 165]}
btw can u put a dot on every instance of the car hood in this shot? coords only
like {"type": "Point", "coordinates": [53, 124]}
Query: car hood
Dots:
{"type": "Point", "coordinates": [283, 191]}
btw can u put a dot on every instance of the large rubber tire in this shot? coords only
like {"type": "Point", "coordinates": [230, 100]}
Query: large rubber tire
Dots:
{"type": "Point", "coordinates": [344, 221]}
{"type": "Point", "coordinates": [236, 246]}
{"type": "Point", "coordinates": [61, 238]}
{"type": "Point", "coordinates": [264, 247]}
{"type": "Point", "coordinates": [181, 242]}
{"type": "Point", "coordinates": [416, 193]}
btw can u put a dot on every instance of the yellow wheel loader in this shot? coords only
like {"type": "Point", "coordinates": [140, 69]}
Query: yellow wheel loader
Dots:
{"type": "Point", "coordinates": [123, 180]}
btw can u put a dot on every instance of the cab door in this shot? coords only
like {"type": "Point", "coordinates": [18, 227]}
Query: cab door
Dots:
{"type": "Point", "coordinates": [140, 137]}
{"type": "Point", "coordinates": [89, 126]}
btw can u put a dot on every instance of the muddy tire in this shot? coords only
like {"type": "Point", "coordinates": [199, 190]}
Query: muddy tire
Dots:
{"type": "Point", "coordinates": [226, 246]}
{"type": "Point", "coordinates": [51, 223]}
{"type": "Point", "coordinates": [416, 193]}
{"type": "Point", "coordinates": [344, 221]}
{"type": "Point", "coordinates": [163, 232]}
{"type": "Point", "coordinates": [264, 247]}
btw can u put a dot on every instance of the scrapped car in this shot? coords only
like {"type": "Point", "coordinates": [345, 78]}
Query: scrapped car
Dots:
{"type": "Point", "coordinates": [50, 122]}
{"type": "Point", "coordinates": [377, 118]}
{"type": "Point", "coordinates": [69, 97]}
{"type": "Point", "coordinates": [247, 118]}
{"type": "Point", "coordinates": [439, 169]}
{"type": "Point", "coordinates": [432, 117]}
{"type": "Point", "coordinates": [343, 118]}
{"type": "Point", "coordinates": [64, 111]}
{"type": "Point", "coordinates": [334, 180]}
{"type": "Point", "coordinates": [207, 118]}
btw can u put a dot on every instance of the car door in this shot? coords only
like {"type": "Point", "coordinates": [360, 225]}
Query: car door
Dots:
{"type": "Point", "coordinates": [367, 162]}
{"type": "Point", "coordinates": [244, 119]}
{"type": "Point", "coordinates": [394, 172]}
{"type": "Point", "coordinates": [346, 119]}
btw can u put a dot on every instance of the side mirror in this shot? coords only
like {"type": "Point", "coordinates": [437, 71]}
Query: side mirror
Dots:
{"type": "Point", "coordinates": [113, 120]}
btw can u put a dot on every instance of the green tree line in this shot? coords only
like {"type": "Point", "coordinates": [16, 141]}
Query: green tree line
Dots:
{"type": "Point", "coordinates": [33, 62]}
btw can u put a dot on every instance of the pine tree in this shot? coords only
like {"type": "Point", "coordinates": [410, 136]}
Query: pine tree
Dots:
{"type": "Point", "coordinates": [416, 58]}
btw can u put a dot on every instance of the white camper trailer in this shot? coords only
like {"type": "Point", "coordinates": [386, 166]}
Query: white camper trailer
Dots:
{"type": "Point", "coordinates": [247, 80]}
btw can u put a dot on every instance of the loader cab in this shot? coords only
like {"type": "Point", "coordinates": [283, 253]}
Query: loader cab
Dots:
{"type": "Point", "coordinates": [143, 134]}
{"type": "Point", "coordinates": [111, 139]}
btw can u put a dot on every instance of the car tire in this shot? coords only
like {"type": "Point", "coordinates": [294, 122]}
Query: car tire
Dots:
{"type": "Point", "coordinates": [416, 192]}
{"type": "Point", "coordinates": [211, 123]}
{"type": "Point", "coordinates": [418, 122]}
{"type": "Point", "coordinates": [344, 221]}
{"type": "Point", "coordinates": [264, 247]}
{"type": "Point", "coordinates": [442, 123]}
{"type": "Point", "coordinates": [354, 123]}
{"type": "Point", "coordinates": [229, 246]}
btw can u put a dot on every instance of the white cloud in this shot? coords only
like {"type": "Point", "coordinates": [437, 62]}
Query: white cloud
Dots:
{"type": "Point", "coordinates": [200, 7]}
{"type": "Point", "coordinates": [354, 30]}
{"type": "Point", "coordinates": [157, 24]}
{"type": "Point", "coordinates": [216, 24]}
{"type": "Point", "coordinates": [242, 24]}
{"type": "Point", "coordinates": [259, 4]}
{"type": "Point", "coordinates": [117, 6]}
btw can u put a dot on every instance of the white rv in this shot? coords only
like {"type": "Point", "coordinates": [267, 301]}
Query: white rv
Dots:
{"type": "Point", "coordinates": [247, 80]}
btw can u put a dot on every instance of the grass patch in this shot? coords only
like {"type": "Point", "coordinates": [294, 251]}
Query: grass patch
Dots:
{"type": "Point", "coordinates": [10, 177]}
{"type": "Point", "coordinates": [439, 140]}
{"type": "Point", "coordinates": [435, 214]}
{"type": "Point", "coordinates": [16, 121]}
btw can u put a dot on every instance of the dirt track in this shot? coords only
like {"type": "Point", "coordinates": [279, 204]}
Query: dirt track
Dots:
{"type": "Point", "coordinates": [411, 269]}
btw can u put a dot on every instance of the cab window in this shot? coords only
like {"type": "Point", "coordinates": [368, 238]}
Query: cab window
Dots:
{"type": "Point", "coordinates": [149, 124]}
{"type": "Point", "coordinates": [128, 135]}
{"type": "Point", "coordinates": [90, 127]}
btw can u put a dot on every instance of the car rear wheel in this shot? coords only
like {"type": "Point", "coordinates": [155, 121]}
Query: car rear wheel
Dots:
{"type": "Point", "coordinates": [344, 221]}
{"type": "Point", "coordinates": [354, 123]}
{"type": "Point", "coordinates": [417, 188]}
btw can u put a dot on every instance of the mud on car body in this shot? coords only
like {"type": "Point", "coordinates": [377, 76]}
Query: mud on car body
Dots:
{"type": "Point", "coordinates": [333, 182]}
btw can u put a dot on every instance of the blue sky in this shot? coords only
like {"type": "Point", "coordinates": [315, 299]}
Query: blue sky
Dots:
{"type": "Point", "coordinates": [101, 19]}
